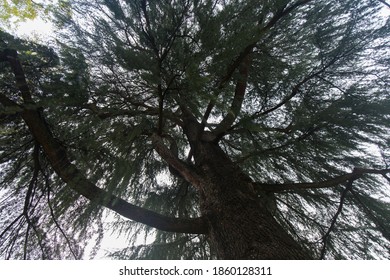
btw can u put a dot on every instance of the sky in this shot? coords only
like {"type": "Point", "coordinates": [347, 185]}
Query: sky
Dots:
{"type": "Point", "coordinates": [36, 29]}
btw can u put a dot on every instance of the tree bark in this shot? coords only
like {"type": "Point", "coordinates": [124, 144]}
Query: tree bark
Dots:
{"type": "Point", "coordinates": [240, 227]}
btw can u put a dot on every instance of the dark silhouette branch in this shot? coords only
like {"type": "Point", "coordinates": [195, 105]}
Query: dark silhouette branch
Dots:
{"type": "Point", "coordinates": [161, 96]}
{"type": "Point", "coordinates": [369, 213]}
{"type": "Point", "coordinates": [302, 216]}
{"type": "Point", "coordinates": [310, 131]}
{"type": "Point", "coordinates": [348, 188]}
{"type": "Point", "coordinates": [68, 172]}
{"type": "Point", "coordinates": [290, 187]}
{"type": "Point", "coordinates": [281, 13]}
{"type": "Point", "coordinates": [385, 3]}
{"type": "Point", "coordinates": [238, 99]}
{"type": "Point", "coordinates": [148, 29]}
{"type": "Point", "coordinates": [181, 167]}
{"type": "Point", "coordinates": [27, 202]}
{"type": "Point", "coordinates": [104, 113]}
{"type": "Point", "coordinates": [11, 56]}
{"type": "Point", "coordinates": [13, 238]}
{"type": "Point", "coordinates": [11, 225]}
{"type": "Point", "coordinates": [296, 89]}
{"type": "Point", "coordinates": [55, 219]}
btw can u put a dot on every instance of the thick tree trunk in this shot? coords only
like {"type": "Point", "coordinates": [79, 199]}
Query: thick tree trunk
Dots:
{"type": "Point", "coordinates": [240, 226]}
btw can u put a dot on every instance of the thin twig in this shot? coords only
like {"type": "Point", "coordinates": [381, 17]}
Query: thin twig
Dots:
{"type": "Point", "coordinates": [379, 224]}
{"type": "Point", "coordinates": [56, 222]}
{"type": "Point", "coordinates": [10, 225]}
{"type": "Point", "coordinates": [348, 187]}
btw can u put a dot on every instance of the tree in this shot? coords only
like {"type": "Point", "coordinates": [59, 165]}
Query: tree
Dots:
{"type": "Point", "coordinates": [21, 10]}
{"type": "Point", "coordinates": [223, 129]}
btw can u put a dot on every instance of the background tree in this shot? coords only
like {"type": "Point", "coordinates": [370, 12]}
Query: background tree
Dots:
{"type": "Point", "coordinates": [15, 11]}
{"type": "Point", "coordinates": [221, 129]}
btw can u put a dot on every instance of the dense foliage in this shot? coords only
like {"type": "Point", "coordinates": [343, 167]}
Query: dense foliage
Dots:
{"type": "Point", "coordinates": [292, 91]}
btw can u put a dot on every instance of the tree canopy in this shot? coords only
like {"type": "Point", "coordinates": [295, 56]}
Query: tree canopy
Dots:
{"type": "Point", "coordinates": [288, 97]}
{"type": "Point", "coordinates": [14, 11]}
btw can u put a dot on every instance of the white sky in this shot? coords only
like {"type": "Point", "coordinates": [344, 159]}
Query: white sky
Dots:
{"type": "Point", "coordinates": [38, 29]}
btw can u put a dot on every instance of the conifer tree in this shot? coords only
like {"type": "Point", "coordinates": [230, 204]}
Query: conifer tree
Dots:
{"type": "Point", "coordinates": [220, 129]}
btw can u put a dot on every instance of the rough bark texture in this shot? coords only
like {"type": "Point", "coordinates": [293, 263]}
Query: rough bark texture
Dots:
{"type": "Point", "coordinates": [240, 227]}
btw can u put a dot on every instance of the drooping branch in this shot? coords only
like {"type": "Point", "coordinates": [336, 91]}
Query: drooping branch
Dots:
{"type": "Point", "coordinates": [147, 30]}
{"type": "Point", "coordinates": [70, 174]}
{"type": "Point", "coordinates": [348, 188]}
{"type": "Point", "coordinates": [53, 216]}
{"type": "Point", "coordinates": [10, 226]}
{"type": "Point", "coordinates": [27, 203]}
{"type": "Point", "coordinates": [105, 113]}
{"type": "Point", "coordinates": [161, 97]}
{"type": "Point", "coordinates": [296, 89]}
{"type": "Point", "coordinates": [291, 187]}
{"type": "Point", "coordinates": [383, 228]}
{"type": "Point", "coordinates": [385, 3]}
{"type": "Point", "coordinates": [310, 131]}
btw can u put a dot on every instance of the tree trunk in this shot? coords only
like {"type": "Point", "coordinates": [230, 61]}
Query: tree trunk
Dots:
{"type": "Point", "coordinates": [240, 226]}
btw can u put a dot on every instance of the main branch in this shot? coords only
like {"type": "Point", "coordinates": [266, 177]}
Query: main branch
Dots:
{"type": "Point", "coordinates": [355, 174]}
{"type": "Point", "coordinates": [184, 170]}
{"type": "Point", "coordinates": [243, 55]}
{"type": "Point", "coordinates": [238, 99]}
{"type": "Point", "coordinates": [70, 174]}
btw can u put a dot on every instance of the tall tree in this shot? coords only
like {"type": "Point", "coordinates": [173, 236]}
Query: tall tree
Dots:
{"type": "Point", "coordinates": [218, 129]}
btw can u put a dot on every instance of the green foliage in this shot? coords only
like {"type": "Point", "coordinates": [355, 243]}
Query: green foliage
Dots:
{"type": "Point", "coordinates": [22, 10]}
{"type": "Point", "coordinates": [316, 106]}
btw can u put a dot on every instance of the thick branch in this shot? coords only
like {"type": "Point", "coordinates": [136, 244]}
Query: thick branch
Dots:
{"type": "Point", "coordinates": [68, 172]}
{"type": "Point", "coordinates": [72, 176]}
{"type": "Point", "coordinates": [239, 95]}
{"type": "Point", "coordinates": [181, 167]}
{"type": "Point", "coordinates": [282, 12]}
{"type": "Point", "coordinates": [355, 174]}
{"type": "Point", "coordinates": [11, 56]}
